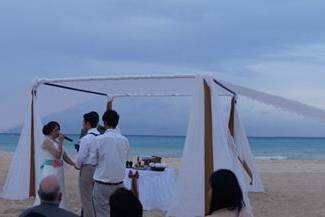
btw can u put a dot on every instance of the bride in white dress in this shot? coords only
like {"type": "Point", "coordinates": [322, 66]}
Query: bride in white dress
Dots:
{"type": "Point", "coordinates": [53, 156]}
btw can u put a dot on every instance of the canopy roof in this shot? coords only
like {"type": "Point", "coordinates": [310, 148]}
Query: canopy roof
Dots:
{"type": "Point", "coordinates": [69, 92]}
{"type": "Point", "coordinates": [179, 85]}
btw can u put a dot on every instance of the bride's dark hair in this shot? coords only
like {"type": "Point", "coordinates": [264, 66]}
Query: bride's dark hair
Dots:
{"type": "Point", "coordinates": [49, 127]}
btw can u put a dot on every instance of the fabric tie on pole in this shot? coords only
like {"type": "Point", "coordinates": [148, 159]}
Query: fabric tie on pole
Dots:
{"type": "Point", "coordinates": [109, 105]}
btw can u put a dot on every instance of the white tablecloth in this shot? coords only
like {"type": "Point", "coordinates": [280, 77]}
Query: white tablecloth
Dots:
{"type": "Point", "coordinates": [155, 188]}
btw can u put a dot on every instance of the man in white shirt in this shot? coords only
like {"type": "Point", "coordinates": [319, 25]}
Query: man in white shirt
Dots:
{"type": "Point", "coordinates": [86, 163]}
{"type": "Point", "coordinates": [111, 154]}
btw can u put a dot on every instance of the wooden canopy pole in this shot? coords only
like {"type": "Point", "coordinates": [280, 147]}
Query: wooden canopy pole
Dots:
{"type": "Point", "coordinates": [231, 123]}
{"type": "Point", "coordinates": [208, 148]}
{"type": "Point", "coordinates": [32, 190]}
{"type": "Point", "coordinates": [231, 126]}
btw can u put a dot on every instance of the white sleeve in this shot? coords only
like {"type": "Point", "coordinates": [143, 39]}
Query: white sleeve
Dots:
{"type": "Point", "coordinates": [93, 151]}
{"type": "Point", "coordinates": [128, 150]}
{"type": "Point", "coordinates": [83, 152]}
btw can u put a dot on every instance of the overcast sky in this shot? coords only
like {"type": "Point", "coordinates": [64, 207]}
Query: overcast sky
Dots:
{"type": "Point", "coordinates": [273, 46]}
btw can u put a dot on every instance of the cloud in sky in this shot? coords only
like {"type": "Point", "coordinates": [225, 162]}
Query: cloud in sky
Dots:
{"type": "Point", "coordinates": [275, 46]}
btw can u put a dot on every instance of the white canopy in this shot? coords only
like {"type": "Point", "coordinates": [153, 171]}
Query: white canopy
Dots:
{"type": "Point", "coordinates": [127, 86]}
{"type": "Point", "coordinates": [210, 144]}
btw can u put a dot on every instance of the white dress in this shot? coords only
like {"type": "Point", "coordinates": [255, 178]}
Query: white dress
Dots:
{"type": "Point", "coordinates": [53, 166]}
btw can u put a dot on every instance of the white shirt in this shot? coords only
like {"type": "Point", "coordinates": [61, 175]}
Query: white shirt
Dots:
{"type": "Point", "coordinates": [86, 146]}
{"type": "Point", "coordinates": [111, 154]}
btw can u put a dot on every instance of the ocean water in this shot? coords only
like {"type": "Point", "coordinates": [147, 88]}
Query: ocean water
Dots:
{"type": "Point", "coordinates": [172, 146]}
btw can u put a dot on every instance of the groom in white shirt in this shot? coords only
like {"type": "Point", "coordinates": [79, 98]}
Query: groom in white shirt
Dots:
{"type": "Point", "coordinates": [111, 154]}
{"type": "Point", "coordinates": [86, 163]}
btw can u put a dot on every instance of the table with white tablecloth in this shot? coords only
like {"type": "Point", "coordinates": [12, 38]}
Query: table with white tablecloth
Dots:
{"type": "Point", "coordinates": [155, 188]}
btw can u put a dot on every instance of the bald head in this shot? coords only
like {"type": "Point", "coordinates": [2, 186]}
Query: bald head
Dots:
{"type": "Point", "coordinates": [49, 190]}
{"type": "Point", "coordinates": [49, 184]}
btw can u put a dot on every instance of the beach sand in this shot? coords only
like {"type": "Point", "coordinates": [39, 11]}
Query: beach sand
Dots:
{"type": "Point", "coordinates": [293, 188]}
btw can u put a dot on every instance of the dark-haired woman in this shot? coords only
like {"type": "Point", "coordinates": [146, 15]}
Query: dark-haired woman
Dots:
{"type": "Point", "coordinates": [227, 196]}
{"type": "Point", "coordinates": [53, 156]}
{"type": "Point", "coordinates": [123, 203]}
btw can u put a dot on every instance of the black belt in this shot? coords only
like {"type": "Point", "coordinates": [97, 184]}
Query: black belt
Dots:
{"type": "Point", "coordinates": [109, 183]}
{"type": "Point", "coordinates": [83, 165]}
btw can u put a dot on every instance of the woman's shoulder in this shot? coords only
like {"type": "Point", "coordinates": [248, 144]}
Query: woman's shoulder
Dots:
{"type": "Point", "coordinates": [47, 142]}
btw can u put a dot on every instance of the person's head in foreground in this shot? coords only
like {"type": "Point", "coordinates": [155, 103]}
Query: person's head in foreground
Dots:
{"type": "Point", "coordinates": [226, 192]}
{"type": "Point", "coordinates": [90, 120]}
{"type": "Point", "coordinates": [49, 191]}
{"type": "Point", "coordinates": [123, 203]}
{"type": "Point", "coordinates": [51, 129]}
{"type": "Point", "coordinates": [110, 119]}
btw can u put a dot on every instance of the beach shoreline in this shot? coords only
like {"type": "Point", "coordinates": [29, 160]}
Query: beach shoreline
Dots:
{"type": "Point", "coordinates": [293, 188]}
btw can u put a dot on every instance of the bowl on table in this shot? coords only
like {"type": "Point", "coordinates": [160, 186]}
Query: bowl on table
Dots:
{"type": "Point", "coordinates": [159, 167]}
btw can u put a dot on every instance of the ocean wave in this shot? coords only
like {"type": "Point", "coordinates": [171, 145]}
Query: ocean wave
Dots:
{"type": "Point", "coordinates": [271, 157]}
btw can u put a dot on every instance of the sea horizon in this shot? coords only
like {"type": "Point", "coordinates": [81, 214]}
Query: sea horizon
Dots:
{"type": "Point", "coordinates": [277, 148]}
{"type": "Point", "coordinates": [155, 135]}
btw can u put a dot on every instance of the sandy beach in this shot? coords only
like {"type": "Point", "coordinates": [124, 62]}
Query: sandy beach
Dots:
{"type": "Point", "coordinates": [293, 188]}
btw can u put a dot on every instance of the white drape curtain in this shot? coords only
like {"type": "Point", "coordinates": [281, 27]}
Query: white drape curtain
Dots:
{"type": "Point", "coordinates": [188, 199]}
{"type": "Point", "coordinates": [16, 186]}
{"type": "Point", "coordinates": [189, 192]}
{"type": "Point", "coordinates": [17, 182]}
{"type": "Point", "coordinates": [244, 149]}
{"type": "Point", "coordinates": [223, 156]}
